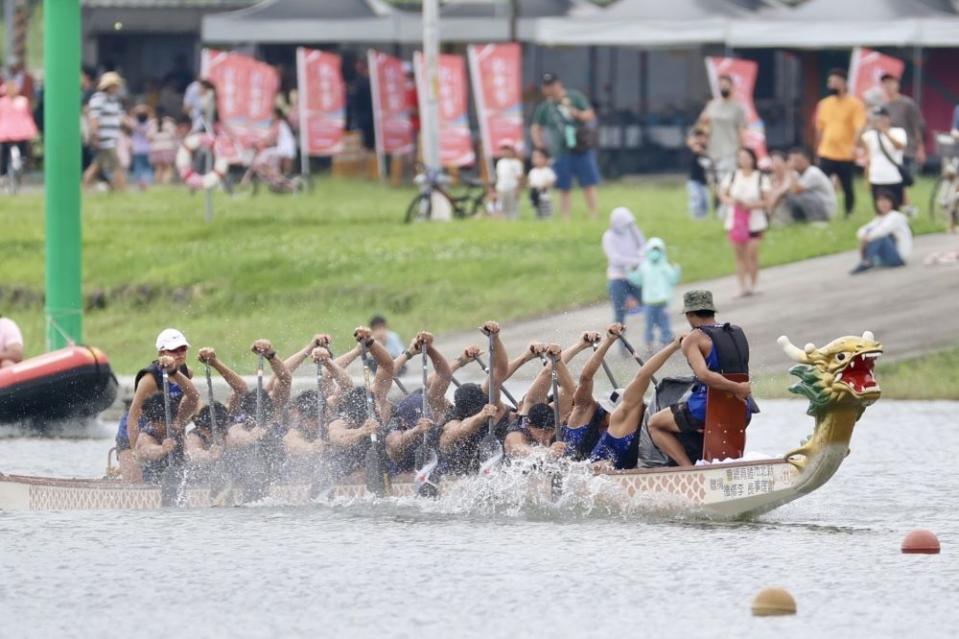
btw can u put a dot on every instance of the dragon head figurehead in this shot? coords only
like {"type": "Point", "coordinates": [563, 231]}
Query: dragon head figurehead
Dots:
{"type": "Point", "coordinates": [840, 373]}
{"type": "Point", "coordinates": [839, 382]}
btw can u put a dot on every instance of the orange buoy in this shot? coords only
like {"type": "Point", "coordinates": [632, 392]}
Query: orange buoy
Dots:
{"type": "Point", "coordinates": [771, 602]}
{"type": "Point", "coordinates": [921, 542]}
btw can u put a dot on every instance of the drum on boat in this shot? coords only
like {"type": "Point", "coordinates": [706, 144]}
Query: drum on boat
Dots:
{"type": "Point", "coordinates": [71, 382]}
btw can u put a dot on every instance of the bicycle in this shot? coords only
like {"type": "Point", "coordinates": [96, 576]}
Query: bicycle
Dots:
{"type": "Point", "coordinates": [433, 183]}
{"type": "Point", "coordinates": [944, 199]}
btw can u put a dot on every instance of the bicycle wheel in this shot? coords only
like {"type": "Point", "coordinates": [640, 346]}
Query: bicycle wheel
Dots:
{"type": "Point", "coordinates": [419, 209]}
{"type": "Point", "coordinates": [476, 204]}
{"type": "Point", "coordinates": [942, 198]}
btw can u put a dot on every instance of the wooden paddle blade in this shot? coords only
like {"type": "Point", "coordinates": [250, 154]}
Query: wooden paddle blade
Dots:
{"type": "Point", "coordinates": [376, 480]}
{"type": "Point", "coordinates": [426, 461]}
{"type": "Point", "coordinates": [724, 436]}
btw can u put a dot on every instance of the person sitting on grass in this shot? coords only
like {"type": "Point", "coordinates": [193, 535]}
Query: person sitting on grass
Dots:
{"type": "Point", "coordinates": [886, 241]}
{"type": "Point", "coordinates": [155, 444]}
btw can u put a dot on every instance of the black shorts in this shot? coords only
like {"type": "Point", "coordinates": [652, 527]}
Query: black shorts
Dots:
{"type": "Point", "coordinates": [686, 421]}
{"type": "Point", "coordinates": [756, 235]}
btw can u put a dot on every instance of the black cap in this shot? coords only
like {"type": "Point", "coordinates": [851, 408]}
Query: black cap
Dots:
{"type": "Point", "coordinates": [549, 78]}
{"type": "Point", "coordinates": [888, 76]}
{"type": "Point", "coordinates": [880, 110]}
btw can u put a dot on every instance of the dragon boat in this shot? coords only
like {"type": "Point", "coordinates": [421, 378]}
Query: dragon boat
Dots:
{"type": "Point", "coordinates": [837, 379]}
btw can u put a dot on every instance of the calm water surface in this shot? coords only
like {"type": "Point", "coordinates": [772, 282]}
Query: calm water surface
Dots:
{"type": "Point", "coordinates": [468, 568]}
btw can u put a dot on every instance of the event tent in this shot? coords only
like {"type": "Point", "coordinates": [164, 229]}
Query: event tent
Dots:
{"type": "Point", "coordinates": [647, 24]}
{"type": "Point", "coordinates": [373, 21]}
{"type": "Point", "coordinates": [819, 24]}
{"type": "Point", "coordinates": [296, 21]}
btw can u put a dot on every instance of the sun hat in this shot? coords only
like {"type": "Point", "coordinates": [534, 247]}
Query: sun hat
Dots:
{"type": "Point", "coordinates": [698, 301]}
{"type": "Point", "coordinates": [109, 79]}
{"type": "Point", "coordinates": [171, 339]}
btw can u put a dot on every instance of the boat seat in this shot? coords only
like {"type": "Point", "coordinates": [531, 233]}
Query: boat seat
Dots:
{"type": "Point", "coordinates": [724, 436]}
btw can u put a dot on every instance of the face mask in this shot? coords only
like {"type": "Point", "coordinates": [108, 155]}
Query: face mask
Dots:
{"type": "Point", "coordinates": [655, 256]}
{"type": "Point", "coordinates": [725, 93]}
{"type": "Point", "coordinates": [832, 91]}
{"type": "Point", "coordinates": [141, 117]}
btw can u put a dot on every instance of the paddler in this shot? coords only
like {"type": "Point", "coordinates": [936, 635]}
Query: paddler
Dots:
{"type": "Point", "coordinates": [350, 432]}
{"type": "Point", "coordinates": [536, 423]}
{"type": "Point", "coordinates": [408, 424]}
{"type": "Point", "coordinates": [148, 382]}
{"type": "Point", "coordinates": [467, 423]}
{"type": "Point", "coordinates": [618, 447]}
{"type": "Point", "coordinates": [711, 349]}
{"type": "Point", "coordinates": [588, 420]}
{"type": "Point", "coordinates": [245, 431]}
{"type": "Point", "coordinates": [154, 444]}
{"type": "Point", "coordinates": [201, 446]}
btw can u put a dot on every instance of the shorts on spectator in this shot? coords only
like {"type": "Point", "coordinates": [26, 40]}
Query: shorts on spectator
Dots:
{"type": "Point", "coordinates": [581, 166]}
{"type": "Point", "coordinates": [106, 160]}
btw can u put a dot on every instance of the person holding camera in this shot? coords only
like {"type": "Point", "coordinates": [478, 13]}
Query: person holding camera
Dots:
{"type": "Point", "coordinates": [565, 125]}
{"type": "Point", "coordinates": [884, 145]}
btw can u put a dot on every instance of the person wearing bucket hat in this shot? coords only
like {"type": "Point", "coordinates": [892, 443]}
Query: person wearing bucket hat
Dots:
{"type": "Point", "coordinates": [712, 350]}
{"type": "Point", "coordinates": [172, 347]}
{"type": "Point", "coordinates": [105, 117]}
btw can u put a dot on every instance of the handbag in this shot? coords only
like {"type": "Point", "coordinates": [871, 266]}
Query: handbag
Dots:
{"type": "Point", "coordinates": [739, 232]}
{"type": "Point", "coordinates": [904, 174]}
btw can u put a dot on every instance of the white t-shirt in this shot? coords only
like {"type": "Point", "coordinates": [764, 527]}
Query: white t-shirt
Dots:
{"type": "Point", "coordinates": [748, 189]}
{"type": "Point", "coordinates": [881, 170]}
{"type": "Point", "coordinates": [892, 223]}
{"type": "Point", "coordinates": [541, 177]}
{"type": "Point", "coordinates": [509, 171]}
{"type": "Point", "coordinates": [9, 334]}
{"type": "Point", "coordinates": [285, 141]}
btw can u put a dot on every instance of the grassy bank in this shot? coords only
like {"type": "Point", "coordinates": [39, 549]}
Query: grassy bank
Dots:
{"type": "Point", "coordinates": [933, 376]}
{"type": "Point", "coordinates": [285, 267]}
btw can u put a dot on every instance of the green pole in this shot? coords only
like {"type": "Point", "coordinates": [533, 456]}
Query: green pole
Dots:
{"type": "Point", "coordinates": [61, 159]}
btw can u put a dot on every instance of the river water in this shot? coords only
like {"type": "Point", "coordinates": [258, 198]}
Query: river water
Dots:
{"type": "Point", "coordinates": [467, 569]}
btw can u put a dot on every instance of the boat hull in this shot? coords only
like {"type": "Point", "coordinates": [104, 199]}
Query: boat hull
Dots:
{"type": "Point", "coordinates": [722, 491]}
{"type": "Point", "coordinates": [72, 382]}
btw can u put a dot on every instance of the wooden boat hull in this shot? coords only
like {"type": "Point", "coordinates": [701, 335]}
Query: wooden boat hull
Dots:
{"type": "Point", "coordinates": [722, 491]}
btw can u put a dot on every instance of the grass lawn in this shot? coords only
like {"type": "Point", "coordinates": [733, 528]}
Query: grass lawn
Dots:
{"type": "Point", "coordinates": [285, 267]}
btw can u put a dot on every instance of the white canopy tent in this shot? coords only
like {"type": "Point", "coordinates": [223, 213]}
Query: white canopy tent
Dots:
{"type": "Point", "coordinates": [373, 22]}
{"type": "Point", "coordinates": [645, 23]}
{"type": "Point", "coordinates": [819, 24]}
{"type": "Point", "coordinates": [302, 21]}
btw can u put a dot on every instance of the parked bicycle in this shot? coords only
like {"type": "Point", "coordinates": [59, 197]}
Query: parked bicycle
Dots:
{"type": "Point", "coordinates": [944, 199]}
{"type": "Point", "coordinates": [435, 195]}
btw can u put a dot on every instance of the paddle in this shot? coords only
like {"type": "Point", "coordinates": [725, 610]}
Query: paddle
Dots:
{"type": "Point", "coordinates": [558, 430]}
{"type": "Point", "coordinates": [321, 480]}
{"type": "Point", "coordinates": [376, 479]}
{"type": "Point", "coordinates": [171, 481]}
{"type": "Point", "coordinates": [258, 475]}
{"type": "Point", "coordinates": [632, 351]}
{"type": "Point", "coordinates": [606, 369]}
{"type": "Point", "coordinates": [509, 396]}
{"type": "Point", "coordinates": [490, 451]}
{"type": "Point", "coordinates": [396, 380]}
{"type": "Point", "coordinates": [221, 483]}
{"type": "Point", "coordinates": [425, 458]}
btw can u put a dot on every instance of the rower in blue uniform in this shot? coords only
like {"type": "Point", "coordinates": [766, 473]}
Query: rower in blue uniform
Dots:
{"type": "Point", "coordinates": [712, 350]}
{"type": "Point", "coordinates": [156, 440]}
{"type": "Point", "coordinates": [149, 382]}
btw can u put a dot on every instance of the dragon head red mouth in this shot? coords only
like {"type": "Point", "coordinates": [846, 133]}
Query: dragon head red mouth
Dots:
{"type": "Point", "coordinates": [858, 375]}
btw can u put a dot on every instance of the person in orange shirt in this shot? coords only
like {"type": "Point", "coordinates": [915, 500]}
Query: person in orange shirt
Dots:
{"type": "Point", "coordinates": [840, 119]}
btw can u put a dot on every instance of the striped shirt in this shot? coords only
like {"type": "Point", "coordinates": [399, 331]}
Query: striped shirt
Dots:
{"type": "Point", "coordinates": [107, 112]}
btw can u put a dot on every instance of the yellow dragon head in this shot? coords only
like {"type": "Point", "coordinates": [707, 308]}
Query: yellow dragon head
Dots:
{"type": "Point", "coordinates": [840, 373]}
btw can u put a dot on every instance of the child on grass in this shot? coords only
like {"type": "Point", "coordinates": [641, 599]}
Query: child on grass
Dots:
{"type": "Point", "coordinates": [541, 180]}
{"type": "Point", "coordinates": [509, 175]}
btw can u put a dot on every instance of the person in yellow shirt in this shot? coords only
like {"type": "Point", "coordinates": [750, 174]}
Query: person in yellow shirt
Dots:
{"type": "Point", "coordinates": [840, 119]}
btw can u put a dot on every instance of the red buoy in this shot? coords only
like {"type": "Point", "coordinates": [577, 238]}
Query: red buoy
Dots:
{"type": "Point", "coordinates": [921, 542]}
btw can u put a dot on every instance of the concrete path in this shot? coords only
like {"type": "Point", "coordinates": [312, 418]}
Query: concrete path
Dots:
{"type": "Point", "coordinates": [912, 311]}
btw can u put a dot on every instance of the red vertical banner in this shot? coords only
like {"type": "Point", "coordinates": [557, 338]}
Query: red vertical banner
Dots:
{"type": "Point", "coordinates": [456, 139]}
{"type": "Point", "coordinates": [245, 93]}
{"type": "Point", "coordinates": [322, 96]}
{"type": "Point", "coordinates": [496, 73]}
{"type": "Point", "coordinates": [743, 74]}
{"type": "Point", "coordinates": [392, 117]}
{"type": "Point", "coordinates": [866, 67]}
